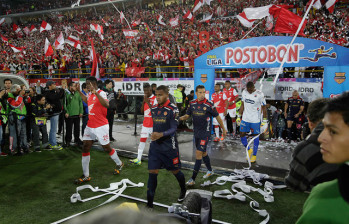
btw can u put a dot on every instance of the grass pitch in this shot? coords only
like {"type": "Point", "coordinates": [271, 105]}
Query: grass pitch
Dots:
{"type": "Point", "coordinates": [36, 188]}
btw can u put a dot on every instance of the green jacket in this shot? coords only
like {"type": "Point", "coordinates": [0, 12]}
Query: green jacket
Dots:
{"type": "Point", "coordinates": [73, 104]}
{"type": "Point", "coordinates": [178, 95]}
{"type": "Point", "coordinates": [16, 104]}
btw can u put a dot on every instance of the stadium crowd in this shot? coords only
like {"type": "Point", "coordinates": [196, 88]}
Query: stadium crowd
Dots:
{"type": "Point", "coordinates": [155, 45]}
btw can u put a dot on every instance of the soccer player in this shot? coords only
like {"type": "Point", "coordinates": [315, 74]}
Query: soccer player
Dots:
{"type": "Point", "coordinates": [220, 102]}
{"type": "Point", "coordinates": [252, 104]}
{"type": "Point", "coordinates": [163, 151]}
{"type": "Point", "coordinates": [202, 109]}
{"type": "Point", "coordinates": [97, 128]}
{"type": "Point", "coordinates": [295, 104]}
{"type": "Point", "coordinates": [147, 127]}
{"type": "Point", "coordinates": [232, 97]}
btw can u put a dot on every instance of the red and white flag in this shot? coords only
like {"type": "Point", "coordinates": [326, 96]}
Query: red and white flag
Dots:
{"type": "Point", "coordinates": [2, 20]}
{"type": "Point", "coordinates": [330, 5]}
{"type": "Point", "coordinates": [174, 21]}
{"type": "Point", "coordinates": [105, 23]}
{"type": "Point", "coordinates": [188, 15]}
{"type": "Point", "coordinates": [197, 5]}
{"type": "Point", "coordinates": [130, 34]}
{"type": "Point", "coordinates": [159, 18]}
{"type": "Point", "coordinates": [244, 21]}
{"type": "Point", "coordinates": [4, 39]}
{"type": "Point", "coordinates": [33, 28]}
{"type": "Point", "coordinates": [257, 12]}
{"type": "Point", "coordinates": [45, 26]}
{"type": "Point", "coordinates": [95, 69]}
{"type": "Point", "coordinates": [73, 41]}
{"type": "Point", "coordinates": [97, 28]}
{"type": "Point", "coordinates": [206, 19]}
{"type": "Point", "coordinates": [48, 48]}
{"type": "Point", "coordinates": [122, 17]}
{"type": "Point", "coordinates": [59, 43]}
{"type": "Point", "coordinates": [26, 30]}
{"type": "Point", "coordinates": [16, 49]}
{"type": "Point", "coordinates": [287, 22]}
{"type": "Point", "coordinates": [136, 22]}
{"type": "Point", "coordinates": [16, 28]}
{"type": "Point", "coordinates": [79, 30]}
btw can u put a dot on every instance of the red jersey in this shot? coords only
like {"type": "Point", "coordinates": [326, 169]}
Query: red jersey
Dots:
{"type": "Point", "coordinates": [148, 121]}
{"type": "Point", "coordinates": [231, 96]}
{"type": "Point", "coordinates": [219, 100]}
{"type": "Point", "coordinates": [97, 116]}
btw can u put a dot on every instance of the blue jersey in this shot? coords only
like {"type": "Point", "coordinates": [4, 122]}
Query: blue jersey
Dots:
{"type": "Point", "coordinates": [294, 105]}
{"type": "Point", "coordinates": [165, 119]}
{"type": "Point", "coordinates": [202, 111]}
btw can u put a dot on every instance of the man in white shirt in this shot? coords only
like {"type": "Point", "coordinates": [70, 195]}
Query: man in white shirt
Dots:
{"type": "Point", "coordinates": [252, 104]}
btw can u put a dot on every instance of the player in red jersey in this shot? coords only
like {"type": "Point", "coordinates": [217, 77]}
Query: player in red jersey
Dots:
{"type": "Point", "coordinates": [232, 98]}
{"type": "Point", "coordinates": [97, 128]}
{"type": "Point", "coordinates": [220, 102]}
{"type": "Point", "coordinates": [147, 127]}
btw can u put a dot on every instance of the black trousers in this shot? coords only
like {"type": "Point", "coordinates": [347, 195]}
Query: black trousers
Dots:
{"type": "Point", "coordinates": [70, 122]}
{"type": "Point", "coordinates": [110, 117]}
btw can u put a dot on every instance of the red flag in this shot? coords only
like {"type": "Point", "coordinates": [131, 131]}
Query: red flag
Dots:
{"type": "Point", "coordinates": [45, 26]}
{"type": "Point", "coordinates": [197, 5]}
{"type": "Point", "coordinates": [16, 28]}
{"type": "Point", "coordinates": [4, 38]}
{"type": "Point", "coordinates": [59, 43]}
{"type": "Point", "coordinates": [73, 41]}
{"type": "Point", "coordinates": [135, 71]}
{"type": "Point", "coordinates": [48, 48]}
{"type": "Point", "coordinates": [188, 15]}
{"type": "Point", "coordinates": [136, 22]}
{"type": "Point", "coordinates": [330, 5]}
{"type": "Point", "coordinates": [95, 69]}
{"type": "Point", "coordinates": [159, 18]}
{"type": "Point", "coordinates": [287, 22]}
{"type": "Point", "coordinates": [244, 21]}
{"type": "Point", "coordinates": [16, 49]}
{"type": "Point", "coordinates": [33, 28]}
{"type": "Point", "coordinates": [2, 20]}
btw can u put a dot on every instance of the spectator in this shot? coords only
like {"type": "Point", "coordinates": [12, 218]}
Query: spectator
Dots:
{"type": "Point", "coordinates": [111, 95]}
{"type": "Point", "coordinates": [121, 104]}
{"type": "Point", "coordinates": [73, 112]}
{"type": "Point", "coordinates": [179, 96]}
{"type": "Point", "coordinates": [38, 119]}
{"type": "Point", "coordinates": [307, 169]}
{"type": "Point", "coordinates": [53, 97]}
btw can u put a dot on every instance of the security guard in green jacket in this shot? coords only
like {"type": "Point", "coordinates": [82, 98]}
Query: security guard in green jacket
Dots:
{"type": "Point", "coordinates": [179, 96]}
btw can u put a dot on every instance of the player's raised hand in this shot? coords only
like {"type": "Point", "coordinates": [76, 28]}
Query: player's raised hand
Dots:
{"type": "Point", "coordinates": [156, 135]}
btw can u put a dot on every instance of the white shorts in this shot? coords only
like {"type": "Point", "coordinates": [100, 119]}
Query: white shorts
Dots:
{"type": "Point", "coordinates": [215, 122]}
{"type": "Point", "coordinates": [146, 132]}
{"type": "Point", "coordinates": [232, 112]}
{"type": "Point", "coordinates": [100, 133]}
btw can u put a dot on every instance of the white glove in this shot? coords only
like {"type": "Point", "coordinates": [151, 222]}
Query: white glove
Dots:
{"type": "Point", "coordinates": [264, 125]}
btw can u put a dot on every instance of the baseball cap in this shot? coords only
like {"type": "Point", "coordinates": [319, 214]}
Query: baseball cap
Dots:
{"type": "Point", "coordinates": [49, 83]}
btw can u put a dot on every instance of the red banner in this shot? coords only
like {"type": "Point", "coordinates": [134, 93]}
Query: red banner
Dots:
{"type": "Point", "coordinates": [135, 71]}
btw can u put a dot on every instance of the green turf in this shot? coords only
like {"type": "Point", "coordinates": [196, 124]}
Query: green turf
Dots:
{"type": "Point", "coordinates": [36, 188]}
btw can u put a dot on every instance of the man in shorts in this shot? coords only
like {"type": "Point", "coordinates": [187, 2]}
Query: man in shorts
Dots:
{"type": "Point", "coordinates": [221, 104]}
{"type": "Point", "coordinates": [97, 128]}
{"type": "Point", "coordinates": [232, 98]}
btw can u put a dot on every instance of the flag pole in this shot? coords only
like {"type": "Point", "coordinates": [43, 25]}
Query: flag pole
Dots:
{"type": "Point", "coordinates": [251, 30]}
{"type": "Point", "coordinates": [120, 13]}
{"type": "Point", "coordinates": [288, 46]}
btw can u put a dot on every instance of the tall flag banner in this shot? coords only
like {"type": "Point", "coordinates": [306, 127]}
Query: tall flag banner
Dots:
{"type": "Point", "coordinates": [159, 18]}
{"type": "Point", "coordinates": [45, 26]}
{"type": "Point", "coordinates": [48, 48]}
{"type": "Point", "coordinates": [73, 41]}
{"type": "Point", "coordinates": [188, 15]}
{"type": "Point", "coordinates": [244, 21]}
{"type": "Point", "coordinates": [95, 69]}
{"type": "Point", "coordinates": [59, 43]}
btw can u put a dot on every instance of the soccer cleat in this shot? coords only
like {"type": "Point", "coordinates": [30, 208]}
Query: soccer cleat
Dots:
{"type": "Point", "coordinates": [250, 151]}
{"type": "Point", "coordinates": [82, 179]}
{"type": "Point", "coordinates": [222, 138]}
{"type": "Point", "coordinates": [136, 161]}
{"type": "Point", "coordinates": [190, 182]}
{"type": "Point", "coordinates": [56, 147]}
{"type": "Point", "coordinates": [208, 174]}
{"type": "Point", "coordinates": [118, 169]}
{"type": "Point", "coordinates": [253, 159]}
{"type": "Point", "coordinates": [216, 139]}
{"type": "Point", "coordinates": [181, 196]}
{"type": "Point", "coordinates": [3, 154]}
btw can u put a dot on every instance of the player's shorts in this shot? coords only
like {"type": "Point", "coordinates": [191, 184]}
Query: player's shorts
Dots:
{"type": "Point", "coordinates": [232, 112]}
{"type": "Point", "coordinates": [202, 143]}
{"type": "Point", "coordinates": [100, 133]}
{"type": "Point", "coordinates": [163, 158]}
{"type": "Point", "coordinates": [215, 122]}
{"type": "Point", "coordinates": [146, 132]}
{"type": "Point", "coordinates": [255, 128]}
{"type": "Point", "coordinates": [290, 117]}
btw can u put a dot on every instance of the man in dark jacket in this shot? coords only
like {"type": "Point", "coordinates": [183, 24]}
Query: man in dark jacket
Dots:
{"type": "Point", "coordinates": [53, 97]}
{"type": "Point", "coordinates": [111, 95]}
{"type": "Point", "coordinates": [307, 168]}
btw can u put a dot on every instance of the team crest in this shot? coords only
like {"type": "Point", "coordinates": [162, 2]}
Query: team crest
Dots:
{"type": "Point", "coordinates": [203, 78]}
{"type": "Point", "coordinates": [165, 113]}
{"type": "Point", "coordinates": [340, 77]}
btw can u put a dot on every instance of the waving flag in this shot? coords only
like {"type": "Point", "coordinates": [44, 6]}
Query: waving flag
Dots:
{"type": "Point", "coordinates": [148, 28]}
{"type": "Point", "coordinates": [26, 30]}
{"type": "Point", "coordinates": [197, 5]}
{"type": "Point", "coordinates": [188, 15]}
{"type": "Point", "coordinates": [33, 28]}
{"type": "Point", "coordinates": [244, 21]}
{"type": "Point", "coordinates": [45, 26]}
{"type": "Point", "coordinates": [97, 28]}
{"type": "Point", "coordinates": [4, 39]}
{"type": "Point", "coordinates": [2, 20]}
{"type": "Point", "coordinates": [159, 18]}
{"type": "Point", "coordinates": [257, 12]}
{"type": "Point", "coordinates": [105, 23]}
{"type": "Point", "coordinates": [16, 49]}
{"type": "Point", "coordinates": [136, 22]}
{"type": "Point", "coordinates": [16, 29]}
{"type": "Point", "coordinates": [95, 69]}
{"type": "Point", "coordinates": [330, 5]}
{"type": "Point", "coordinates": [73, 41]}
{"type": "Point", "coordinates": [174, 21]}
{"type": "Point", "coordinates": [59, 43]}
{"type": "Point", "coordinates": [48, 48]}
{"type": "Point", "coordinates": [287, 22]}
{"type": "Point", "coordinates": [206, 19]}
{"type": "Point", "coordinates": [130, 34]}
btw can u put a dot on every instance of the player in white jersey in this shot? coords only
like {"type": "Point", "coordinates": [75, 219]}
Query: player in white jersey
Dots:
{"type": "Point", "coordinates": [97, 128]}
{"type": "Point", "coordinates": [252, 105]}
{"type": "Point", "coordinates": [147, 127]}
